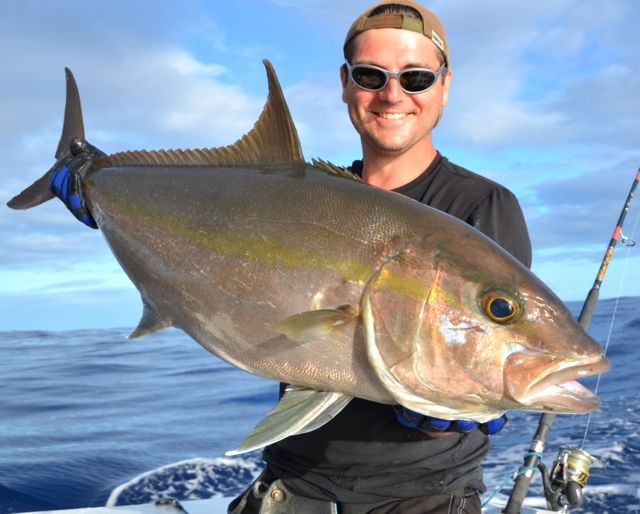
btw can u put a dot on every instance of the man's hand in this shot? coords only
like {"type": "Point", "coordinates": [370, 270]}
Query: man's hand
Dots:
{"type": "Point", "coordinates": [436, 427]}
{"type": "Point", "coordinates": [66, 178]}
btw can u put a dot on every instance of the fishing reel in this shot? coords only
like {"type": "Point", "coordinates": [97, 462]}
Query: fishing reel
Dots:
{"type": "Point", "coordinates": [569, 474]}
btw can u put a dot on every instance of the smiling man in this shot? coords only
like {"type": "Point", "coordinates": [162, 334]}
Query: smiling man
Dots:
{"type": "Point", "coordinates": [372, 458]}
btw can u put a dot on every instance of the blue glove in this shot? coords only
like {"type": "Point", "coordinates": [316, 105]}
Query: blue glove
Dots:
{"type": "Point", "coordinates": [66, 178]}
{"type": "Point", "coordinates": [433, 425]}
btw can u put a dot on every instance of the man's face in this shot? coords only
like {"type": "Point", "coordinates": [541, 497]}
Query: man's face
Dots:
{"type": "Point", "coordinates": [391, 121]}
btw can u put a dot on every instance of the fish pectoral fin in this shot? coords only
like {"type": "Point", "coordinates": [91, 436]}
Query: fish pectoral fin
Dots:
{"type": "Point", "coordinates": [299, 410]}
{"type": "Point", "coordinates": [150, 322]}
{"type": "Point", "coordinates": [311, 324]}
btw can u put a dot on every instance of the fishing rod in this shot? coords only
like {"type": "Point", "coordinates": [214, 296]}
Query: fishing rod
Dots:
{"type": "Point", "coordinates": [573, 464]}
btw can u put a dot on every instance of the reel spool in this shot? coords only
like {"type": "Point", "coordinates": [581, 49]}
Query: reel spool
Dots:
{"type": "Point", "coordinates": [568, 477]}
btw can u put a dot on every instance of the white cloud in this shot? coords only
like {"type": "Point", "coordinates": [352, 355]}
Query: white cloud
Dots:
{"type": "Point", "coordinates": [322, 121]}
{"type": "Point", "coordinates": [541, 74]}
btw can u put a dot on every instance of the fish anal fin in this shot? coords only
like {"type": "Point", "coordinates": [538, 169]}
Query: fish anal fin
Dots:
{"type": "Point", "coordinates": [299, 410]}
{"type": "Point", "coordinates": [150, 322]}
{"type": "Point", "coordinates": [272, 140]}
{"type": "Point", "coordinates": [308, 325]}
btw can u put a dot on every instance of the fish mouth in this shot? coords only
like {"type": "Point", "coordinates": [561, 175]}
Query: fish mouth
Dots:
{"type": "Point", "coordinates": [558, 391]}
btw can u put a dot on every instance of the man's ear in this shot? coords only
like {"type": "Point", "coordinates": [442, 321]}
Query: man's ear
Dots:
{"type": "Point", "coordinates": [445, 90]}
{"type": "Point", "coordinates": [344, 78]}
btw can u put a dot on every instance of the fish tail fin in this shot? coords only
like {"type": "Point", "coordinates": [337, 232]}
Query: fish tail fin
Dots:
{"type": "Point", "coordinates": [73, 126]}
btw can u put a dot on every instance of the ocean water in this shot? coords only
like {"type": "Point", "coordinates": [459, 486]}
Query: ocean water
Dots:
{"type": "Point", "coordinates": [88, 418]}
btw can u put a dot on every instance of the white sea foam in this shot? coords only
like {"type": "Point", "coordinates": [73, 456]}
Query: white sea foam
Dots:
{"type": "Point", "coordinates": [191, 479]}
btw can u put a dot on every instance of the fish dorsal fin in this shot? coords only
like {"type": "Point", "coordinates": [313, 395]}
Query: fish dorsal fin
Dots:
{"type": "Point", "coordinates": [150, 323]}
{"type": "Point", "coordinates": [329, 167]}
{"type": "Point", "coordinates": [73, 126]}
{"type": "Point", "coordinates": [300, 410]}
{"type": "Point", "coordinates": [273, 140]}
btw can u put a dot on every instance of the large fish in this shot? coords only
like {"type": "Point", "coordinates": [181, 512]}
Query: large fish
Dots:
{"type": "Point", "coordinates": [302, 273]}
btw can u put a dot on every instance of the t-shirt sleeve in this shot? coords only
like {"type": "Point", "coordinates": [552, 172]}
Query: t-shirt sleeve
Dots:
{"type": "Point", "coordinates": [500, 217]}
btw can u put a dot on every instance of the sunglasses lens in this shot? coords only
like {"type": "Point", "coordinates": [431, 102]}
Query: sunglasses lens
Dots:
{"type": "Point", "coordinates": [415, 81]}
{"type": "Point", "coordinates": [368, 78]}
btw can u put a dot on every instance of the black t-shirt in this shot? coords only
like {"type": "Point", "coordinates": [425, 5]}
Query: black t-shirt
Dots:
{"type": "Point", "coordinates": [364, 454]}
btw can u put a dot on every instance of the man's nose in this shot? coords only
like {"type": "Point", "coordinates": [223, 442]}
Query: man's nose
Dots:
{"type": "Point", "coordinates": [391, 92]}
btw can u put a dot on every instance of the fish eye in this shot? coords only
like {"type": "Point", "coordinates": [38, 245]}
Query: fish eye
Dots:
{"type": "Point", "coordinates": [500, 307]}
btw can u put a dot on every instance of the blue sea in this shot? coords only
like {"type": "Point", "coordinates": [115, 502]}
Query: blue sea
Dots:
{"type": "Point", "coordinates": [89, 419]}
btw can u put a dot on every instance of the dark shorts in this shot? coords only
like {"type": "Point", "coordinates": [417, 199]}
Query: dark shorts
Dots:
{"type": "Point", "coordinates": [268, 495]}
{"type": "Point", "coordinates": [435, 504]}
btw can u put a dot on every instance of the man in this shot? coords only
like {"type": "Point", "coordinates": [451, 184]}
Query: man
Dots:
{"type": "Point", "coordinates": [372, 458]}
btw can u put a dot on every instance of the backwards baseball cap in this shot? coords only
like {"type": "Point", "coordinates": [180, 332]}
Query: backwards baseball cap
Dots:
{"type": "Point", "coordinates": [430, 25]}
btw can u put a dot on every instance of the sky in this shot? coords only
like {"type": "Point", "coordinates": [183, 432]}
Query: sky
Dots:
{"type": "Point", "coordinates": [544, 99]}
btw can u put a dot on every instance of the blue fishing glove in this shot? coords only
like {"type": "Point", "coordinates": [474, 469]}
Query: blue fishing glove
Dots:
{"type": "Point", "coordinates": [433, 425]}
{"type": "Point", "coordinates": [66, 178]}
